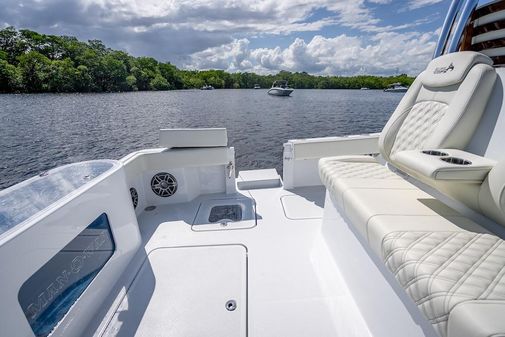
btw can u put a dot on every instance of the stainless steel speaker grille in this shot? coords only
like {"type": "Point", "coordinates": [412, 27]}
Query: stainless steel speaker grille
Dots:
{"type": "Point", "coordinates": [135, 197]}
{"type": "Point", "coordinates": [164, 184]}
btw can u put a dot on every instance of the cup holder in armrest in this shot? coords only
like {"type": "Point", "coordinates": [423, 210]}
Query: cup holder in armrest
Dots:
{"type": "Point", "coordinates": [456, 161]}
{"type": "Point", "coordinates": [456, 165]}
{"type": "Point", "coordinates": [435, 153]}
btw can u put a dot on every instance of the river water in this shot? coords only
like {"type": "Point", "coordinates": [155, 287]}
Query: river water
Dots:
{"type": "Point", "coordinates": [42, 131]}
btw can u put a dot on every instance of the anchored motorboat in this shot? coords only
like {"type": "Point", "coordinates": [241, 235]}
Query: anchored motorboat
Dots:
{"type": "Point", "coordinates": [386, 235]}
{"type": "Point", "coordinates": [207, 87]}
{"type": "Point", "coordinates": [396, 87]}
{"type": "Point", "coordinates": [280, 88]}
{"type": "Point", "coordinates": [257, 86]}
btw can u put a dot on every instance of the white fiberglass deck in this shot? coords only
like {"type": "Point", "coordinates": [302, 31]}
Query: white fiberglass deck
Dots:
{"type": "Point", "coordinates": [293, 287]}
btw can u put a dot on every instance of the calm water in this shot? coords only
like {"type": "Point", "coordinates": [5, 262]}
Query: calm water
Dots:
{"type": "Point", "coordinates": [39, 132]}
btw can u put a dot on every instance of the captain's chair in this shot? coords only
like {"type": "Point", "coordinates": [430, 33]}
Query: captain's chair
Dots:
{"type": "Point", "coordinates": [441, 109]}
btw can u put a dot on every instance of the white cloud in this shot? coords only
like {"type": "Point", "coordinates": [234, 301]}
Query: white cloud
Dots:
{"type": "Point", "coordinates": [381, 2]}
{"type": "Point", "coordinates": [386, 53]}
{"type": "Point", "coordinates": [216, 33]}
{"type": "Point", "coordinates": [415, 4]}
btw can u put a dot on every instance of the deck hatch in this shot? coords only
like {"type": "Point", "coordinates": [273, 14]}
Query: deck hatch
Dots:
{"type": "Point", "coordinates": [225, 212]}
{"type": "Point", "coordinates": [186, 292]}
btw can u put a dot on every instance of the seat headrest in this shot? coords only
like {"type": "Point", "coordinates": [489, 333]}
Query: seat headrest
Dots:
{"type": "Point", "coordinates": [452, 68]}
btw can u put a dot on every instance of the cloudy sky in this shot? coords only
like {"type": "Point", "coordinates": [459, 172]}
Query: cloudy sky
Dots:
{"type": "Point", "coordinates": [337, 37]}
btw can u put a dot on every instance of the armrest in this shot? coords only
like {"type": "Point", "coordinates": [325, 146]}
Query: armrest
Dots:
{"type": "Point", "coordinates": [477, 319]}
{"type": "Point", "coordinates": [444, 164]}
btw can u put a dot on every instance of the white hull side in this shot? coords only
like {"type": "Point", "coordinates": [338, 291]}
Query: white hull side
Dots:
{"type": "Point", "coordinates": [280, 92]}
{"type": "Point", "coordinates": [396, 90]}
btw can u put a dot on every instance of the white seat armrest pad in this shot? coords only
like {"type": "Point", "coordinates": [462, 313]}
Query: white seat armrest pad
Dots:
{"type": "Point", "coordinates": [477, 319]}
{"type": "Point", "coordinates": [419, 164]}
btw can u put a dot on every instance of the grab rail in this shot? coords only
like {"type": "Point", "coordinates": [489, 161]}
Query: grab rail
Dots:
{"type": "Point", "coordinates": [466, 12]}
{"type": "Point", "coordinates": [446, 28]}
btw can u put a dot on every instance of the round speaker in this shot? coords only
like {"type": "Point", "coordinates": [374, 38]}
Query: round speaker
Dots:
{"type": "Point", "coordinates": [135, 197]}
{"type": "Point", "coordinates": [164, 184]}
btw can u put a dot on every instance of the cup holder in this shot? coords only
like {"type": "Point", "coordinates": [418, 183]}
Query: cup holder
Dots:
{"type": "Point", "coordinates": [435, 153]}
{"type": "Point", "coordinates": [456, 161]}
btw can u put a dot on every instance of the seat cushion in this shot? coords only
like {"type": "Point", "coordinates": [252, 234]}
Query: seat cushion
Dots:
{"type": "Point", "coordinates": [360, 206]}
{"type": "Point", "coordinates": [380, 226]}
{"type": "Point", "coordinates": [341, 173]}
{"type": "Point", "coordinates": [441, 270]}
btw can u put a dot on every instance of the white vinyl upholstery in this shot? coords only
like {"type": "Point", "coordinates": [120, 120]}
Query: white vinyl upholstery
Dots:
{"type": "Point", "coordinates": [448, 264]}
{"type": "Point", "coordinates": [443, 106]}
{"type": "Point", "coordinates": [362, 205]}
{"type": "Point", "coordinates": [441, 270]}
{"type": "Point", "coordinates": [462, 63]}
{"type": "Point", "coordinates": [340, 174]}
{"type": "Point", "coordinates": [380, 226]}
{"type": "Point", "coordinates": [419, 125]}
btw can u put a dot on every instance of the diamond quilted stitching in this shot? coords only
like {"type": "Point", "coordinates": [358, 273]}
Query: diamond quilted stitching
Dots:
{"type": "Point", "coordinates": [341, 169]}
{"type": "Point", "coordinates": [442, 269]}
{"type": "Point", "coordinates": [419, 125]}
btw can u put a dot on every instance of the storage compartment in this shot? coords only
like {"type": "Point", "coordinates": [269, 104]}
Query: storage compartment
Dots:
{"type": "Point", "coordinates": [223, 214]}
{"type": "Point", "coordinates": [186, 292]}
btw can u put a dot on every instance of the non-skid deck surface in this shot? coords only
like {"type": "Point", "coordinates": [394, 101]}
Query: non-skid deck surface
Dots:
{"type": "Point", "coordinates": [293, 287]}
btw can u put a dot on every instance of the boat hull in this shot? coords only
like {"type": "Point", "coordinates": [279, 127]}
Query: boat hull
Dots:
{"type": "Point", "coordinates": [396, 90]}
{"type": "Point", "coordinates": [280, 92]}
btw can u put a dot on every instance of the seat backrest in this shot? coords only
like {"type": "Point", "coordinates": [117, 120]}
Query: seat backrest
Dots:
{"type": "Point", "coordinates": [443, 106]}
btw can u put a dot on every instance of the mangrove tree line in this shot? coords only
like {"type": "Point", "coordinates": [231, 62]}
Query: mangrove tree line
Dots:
{"type": "Point", "coordinates": [34, 62]}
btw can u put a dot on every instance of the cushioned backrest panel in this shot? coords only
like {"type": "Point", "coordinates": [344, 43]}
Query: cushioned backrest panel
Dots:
{"type": "Point", "coordinates": [452, 68]}
{"type": "Point", "coordinates": [419, 125]}
{"type": "Point", "coordinates": [443, 107]}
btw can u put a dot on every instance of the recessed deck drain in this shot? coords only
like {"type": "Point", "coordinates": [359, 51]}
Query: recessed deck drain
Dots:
{"type": "Point", "coordinates": [231, 305]}
{"type": "Point", "coordinates": [149, 208]}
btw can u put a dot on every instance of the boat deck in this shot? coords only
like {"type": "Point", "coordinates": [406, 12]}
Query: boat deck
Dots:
{"type": "Point", "coordinates": [282, 270]}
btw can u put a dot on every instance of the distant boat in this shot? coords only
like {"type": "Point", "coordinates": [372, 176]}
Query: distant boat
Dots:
{"type": "Point", "coordinates": [207, 87]}
{"type": "Point", "coordinates": [364, 88]}
{"type": "Point", "coordinates": [280, 88]}
{"type": "Point", "coordinates": [257, 86]}
{"type": "Point", "coordinates": [396, 87]}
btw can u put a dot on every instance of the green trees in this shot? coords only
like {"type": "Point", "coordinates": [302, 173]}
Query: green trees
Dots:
{"type": "Point", "coordinates": [10, 78]}
{"type": "Point", "coordinates": [159, 83]}
{"type": "Point", "coordinates": [62, 76]}
{"type": "Point", "coordinates": [34, 62]}
{"type": "Point", "coordinates": [35, 71]}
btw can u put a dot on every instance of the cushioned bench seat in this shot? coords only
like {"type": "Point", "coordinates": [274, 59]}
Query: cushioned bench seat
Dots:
{"type": "Point", "coordinates": [406, 227]}
{"type": "Point", "coordinates": [443, 270]}
{"type": "Point", "coordinates": [447, 263]}
{"type": "Point", "coordinates": [380, 226]}
{"type": "Point", "coordinates": [378, 201]}
{"type": "Point", "coordinates": [339, 174]}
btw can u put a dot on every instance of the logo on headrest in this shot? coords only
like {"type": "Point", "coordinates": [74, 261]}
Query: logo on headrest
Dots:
{"type": "Point", "coordinates": [443, 70]}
